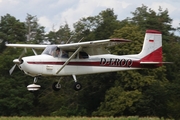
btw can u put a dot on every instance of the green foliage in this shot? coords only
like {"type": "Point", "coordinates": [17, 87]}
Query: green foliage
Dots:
{"type": "Point", "coordinates": [153, 101]}
{"type": "Point", "coordinates": [117, 102]}
{"type": "Point", "coordinates": [15, 99]}
{"type": "Point", "coordinates": [34, 32]}
{"type": "Point", "coordinates": [148, 19]}
{"type": "Point", "coordinates": [81, 118]}
{"type": "Point", "coordinates": [11, 30]}
{"type": "Point", "coordinates": [108, 24]}
{"type": "Point", "coordinates": [61, 36]}
{"type": "Point", "coordinates": [130, 32]}
{"type": "Point", "coordinates": [101, 26]}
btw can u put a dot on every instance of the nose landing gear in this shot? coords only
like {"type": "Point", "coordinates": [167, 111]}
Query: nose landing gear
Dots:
{"type": "Point", "coordinates": [33, 87]}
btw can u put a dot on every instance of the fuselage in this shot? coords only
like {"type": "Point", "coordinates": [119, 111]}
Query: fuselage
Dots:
{"type": "Point", "coordinates": [46, 65]}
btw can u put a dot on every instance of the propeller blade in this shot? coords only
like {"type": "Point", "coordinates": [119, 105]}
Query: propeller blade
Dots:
{"type": "Point", "coordinates": [12, 69]}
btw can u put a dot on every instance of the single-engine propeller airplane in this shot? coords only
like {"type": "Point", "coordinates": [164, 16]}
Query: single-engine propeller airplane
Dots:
{"type": "Point", "coordinates": [86, 58]}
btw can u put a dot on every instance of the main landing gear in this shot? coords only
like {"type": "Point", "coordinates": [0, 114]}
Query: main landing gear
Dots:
{"type": "Point", "coordinates": [77, 85]}
{"type": "Point", "coordinates": [56, 86]}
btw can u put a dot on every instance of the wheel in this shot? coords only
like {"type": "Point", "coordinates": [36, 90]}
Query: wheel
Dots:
{"type": "Point", "coordinates": [33, 87]}
{"type": "Point", "coordinates": [56, 86]}
{"type": "Point", "coordinates": [77, 86]}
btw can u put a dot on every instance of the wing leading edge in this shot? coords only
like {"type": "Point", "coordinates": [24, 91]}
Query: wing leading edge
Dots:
{"type": "Point", "coordinates": [93, 47]}
{"type": "Point", "coordinates": [93, 43]}
{"type": "Point", "coordinates": [73, 46]}
{"type": "Point", "coordinates": [26, 46]}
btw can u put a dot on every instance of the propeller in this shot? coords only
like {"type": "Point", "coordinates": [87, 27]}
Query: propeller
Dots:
{"type": "Point", "coordinates": [18, 61]}
{"type": "Point", "coordinates": [12, 69]}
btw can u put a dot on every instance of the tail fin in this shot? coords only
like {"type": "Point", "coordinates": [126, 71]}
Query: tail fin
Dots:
{"type": "Point", "coordinates": [152, 48]}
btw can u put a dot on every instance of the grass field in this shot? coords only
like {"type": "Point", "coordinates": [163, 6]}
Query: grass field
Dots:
{"type": "Point", "coordinates": [80, 118]}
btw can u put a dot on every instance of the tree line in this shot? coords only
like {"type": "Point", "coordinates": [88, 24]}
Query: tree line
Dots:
{"type": "Point", "coordinates": [148, 92]}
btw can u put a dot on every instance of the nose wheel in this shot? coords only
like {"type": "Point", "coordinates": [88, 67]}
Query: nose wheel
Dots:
{"type": "Point", "coordinates": [33, 87]}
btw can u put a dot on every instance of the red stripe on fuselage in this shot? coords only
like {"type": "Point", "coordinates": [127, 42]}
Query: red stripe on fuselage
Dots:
{"type": "Point", "coordinates": [70, 63]}
{"type": "Point", "coordinates": [135, 64]}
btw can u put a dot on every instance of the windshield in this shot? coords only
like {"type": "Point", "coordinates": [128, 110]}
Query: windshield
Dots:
{"type": "Point", "coordinates": [49, 49]}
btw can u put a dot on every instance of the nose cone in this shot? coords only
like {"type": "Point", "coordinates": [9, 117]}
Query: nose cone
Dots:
{"type": "Point", "coordinates": [16, 61]}
{"type": "Point", "coordinates": [22, 64]}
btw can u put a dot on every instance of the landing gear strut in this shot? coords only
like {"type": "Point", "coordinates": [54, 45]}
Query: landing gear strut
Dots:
{"type": "Point", "coordinates": [77, 85]}
{"type": "Point", "coordinates": [56, 86]}
{"type": "Point", "coordinates": [34, 87]}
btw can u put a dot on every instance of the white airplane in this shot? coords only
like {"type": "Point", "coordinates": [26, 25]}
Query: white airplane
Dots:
{"type": "Point", "coordinates": [86, 58]}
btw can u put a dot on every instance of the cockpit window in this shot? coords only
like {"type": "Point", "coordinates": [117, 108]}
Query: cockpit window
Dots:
{"type": "Point", "coordinates": [49, 49]}
{"type": "Point", "coordinates": [54, 51]}
{"type": "Point", "coordinates": [64, 54]}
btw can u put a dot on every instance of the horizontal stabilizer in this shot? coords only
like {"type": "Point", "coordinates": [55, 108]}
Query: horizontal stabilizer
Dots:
{"type": "Point", "coordinates": [154, 63]}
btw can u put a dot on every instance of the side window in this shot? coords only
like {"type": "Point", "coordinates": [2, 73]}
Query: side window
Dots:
{"type": "Point", "coordinates": [64, 54]}
{"type": "Point", "coordinates": [83, 55]}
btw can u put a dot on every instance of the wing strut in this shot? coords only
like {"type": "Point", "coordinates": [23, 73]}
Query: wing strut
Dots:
{"type": "Point", "coordinates": [34, 51]}
{"type": "Point", "coordinates": [69, 59]}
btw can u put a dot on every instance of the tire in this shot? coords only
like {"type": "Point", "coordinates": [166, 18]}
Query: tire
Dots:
{"type": "Point", "coordinates": [77, 86]}
{"type": "Point", "coordinates": [56, 86]}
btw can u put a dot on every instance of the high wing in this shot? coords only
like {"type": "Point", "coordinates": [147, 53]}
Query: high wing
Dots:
{"type": "Point", "coordinates": [26, 46]}
{"type": "Point", "coordinates": [93, 47]}
{"type": "Point", "coordinates": [90, 46]}
{"type": "Point", "coordinates": [92, 43]}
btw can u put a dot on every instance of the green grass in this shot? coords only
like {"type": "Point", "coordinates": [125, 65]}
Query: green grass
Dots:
{"type": "Point", "coordinates": [80, 118]}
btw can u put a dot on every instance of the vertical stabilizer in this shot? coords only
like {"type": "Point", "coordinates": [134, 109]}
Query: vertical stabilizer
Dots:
{"type": "Point", "coordinates": [152, 47]}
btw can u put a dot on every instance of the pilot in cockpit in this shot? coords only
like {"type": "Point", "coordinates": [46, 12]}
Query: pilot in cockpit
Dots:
{"type": "Point", "coordinates": [64, 54]}
{"type": "Point", "coordinates": [56, 53]}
